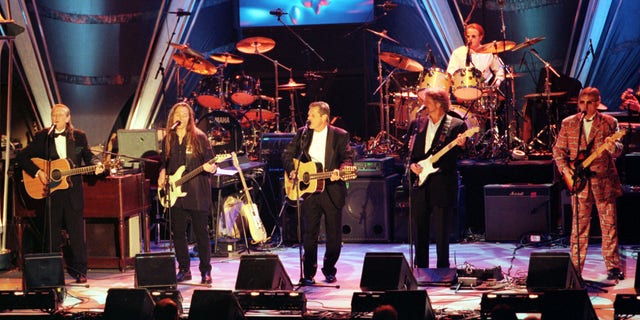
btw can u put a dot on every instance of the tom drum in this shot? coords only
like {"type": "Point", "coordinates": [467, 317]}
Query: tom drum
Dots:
{"type": "Point", "coordinates": [467, 83]}
{"type": "Point", "coordinates": [435, 78]}
{"type": "Point", "coordinates": [243, 88]}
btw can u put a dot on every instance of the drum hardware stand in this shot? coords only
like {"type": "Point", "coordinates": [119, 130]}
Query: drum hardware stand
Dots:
{"type": "Point", "coordinates": [383, 137]}
{"type": "Point", "coordinates": [553, 119]}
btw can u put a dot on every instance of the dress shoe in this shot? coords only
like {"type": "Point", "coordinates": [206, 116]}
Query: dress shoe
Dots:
{"type": "Point", "coordinates": [615, 274]}
{"type": "Point", "coordinates": [81, 279]}
{"type": "Point", "coordinates": [206, 278]}
{"type": "Point", "coordinates": [307, 281]}
{"type": "Point", "coordinates": [330, 278]}
{"type": "Point", "coordinates": [183, 275]}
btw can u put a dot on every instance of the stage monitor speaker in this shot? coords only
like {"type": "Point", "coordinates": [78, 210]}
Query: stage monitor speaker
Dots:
{"type": "Point", "coordinates": [215, 304]}
{"type": "Point", "coordinates": [567, 304]}
{"type": "Point", "coordinates": [513, 210]}
{"type": "Point", "coordinates": [367, 210]}
{"type": "Point", "coordinates": [551, 271]}
{"type": "Point", "coordinates": [128, 304]}
{"type": "Point", "coordinates": [410, 304]}
{"type": "Point", "coordinates": [155, 270]}
{"type": "Point", "coordinates": [262, 272]}
{"type": "Point", "coordinates": [386, 271]}
{"type": "Point", "coordinates": [626, 305]}
{"type": "Point", "coordinates": [636, 280]}
{"type": "Point", "coordinates": [43, 271]}
{"type": "Point", "coordinates": [136, 142]}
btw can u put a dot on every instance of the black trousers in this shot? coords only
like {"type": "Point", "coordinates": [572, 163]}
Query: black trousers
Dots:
{"type": "Point", "coordinates": [200, 222]}
{"type": "Point", "coordinates": [313, 208]}
{"type": "Point", "coordinates": [424, 215]}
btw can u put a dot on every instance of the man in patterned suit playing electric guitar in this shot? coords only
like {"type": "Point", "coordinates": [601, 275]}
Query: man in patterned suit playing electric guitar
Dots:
{"type": "Point", "coordinates": [327, 145]}
{"type": "Point", "coordinates": [594, 179]}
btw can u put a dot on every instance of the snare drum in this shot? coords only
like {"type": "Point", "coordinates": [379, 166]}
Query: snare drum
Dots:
{"type": "Point", "coordinates": [242, 90]}
{"type": "Point", "coordinates": [210, 93]}
{"type": "Point", "coordinates": [223, 131]}
{"type": "Point", "coordinates": [467, 83]}
{"type": "Point", "coordinates": [435, 78]}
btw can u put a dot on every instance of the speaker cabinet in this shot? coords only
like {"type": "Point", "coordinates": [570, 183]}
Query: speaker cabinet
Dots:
{"type": "Point", "coordinates": [128, 304]}
{"type": "Point", "coordinates": [410, 304]}
{"type": "Point", "coordinates": [136, 142]}
{"type": "Point", "coordinates": [551, 270]}
{"type": "Point", "coordinates": [43, 270]}
{"type": "Point", "coordinates": [262, 272]}
{"type": "Point", "coordinates": [155, 270]}
{"type": "Point", "coordinates": [215, 304]}
{"type": "Point", "coordinates": [367, 211]}
{"type": "Point", "coordinates": [386, 271]}
{"type": "Point", "coordinates": [513, 210]}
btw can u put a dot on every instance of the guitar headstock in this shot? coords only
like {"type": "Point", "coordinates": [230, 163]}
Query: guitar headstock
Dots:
{"type": "Point", "coordinates": [220, 157]}
{"type": "Point", "coordinates": [470, 132]}
{"type": "Point", "coordinates": [348, 173]}
{"type": "Point", "coordinates": [235, 161]}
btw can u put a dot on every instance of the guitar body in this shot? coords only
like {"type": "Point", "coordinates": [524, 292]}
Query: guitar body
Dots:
{"type": "Point", "coordinates": [35, 189]}
{"type": "Point", "coordinates": [249, 210]}
{"type": "Point", "coordinates": [168, 199]}
{"type": "Point", "coordinates": [306, 185]}
{"type": "Point", "coordinates": [427, 169]}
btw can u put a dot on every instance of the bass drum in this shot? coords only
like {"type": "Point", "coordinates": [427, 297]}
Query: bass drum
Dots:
{"type": "Point", "coordinates": [463, 113]}
{"type": "Point", "coordinates": [405, 110]}
{"type": "Point", "coordinates": [223, 130]}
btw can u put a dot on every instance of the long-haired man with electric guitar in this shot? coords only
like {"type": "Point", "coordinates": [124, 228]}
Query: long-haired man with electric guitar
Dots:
{"type": "Point", "coordinates": [595, 136]}
{"type": "Point", "coordinates": [437, 194]}
{"type": "Point", "coordinates": [187, 148]}
{"type": "Point", "coordinates": [327, 146]}
{"type": "Point", "coordinates": [61, 143]}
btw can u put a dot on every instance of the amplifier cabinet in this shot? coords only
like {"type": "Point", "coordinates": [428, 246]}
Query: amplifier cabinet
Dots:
{"type": "Point", "coordinates": [513, 210]}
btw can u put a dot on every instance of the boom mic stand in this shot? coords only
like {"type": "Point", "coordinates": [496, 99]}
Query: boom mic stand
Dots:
{"type": "Point", "coordinates": [553, 118]}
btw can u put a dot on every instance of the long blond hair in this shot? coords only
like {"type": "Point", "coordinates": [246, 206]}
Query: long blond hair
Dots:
{"type": "Point", "coordinates": [190, 136]}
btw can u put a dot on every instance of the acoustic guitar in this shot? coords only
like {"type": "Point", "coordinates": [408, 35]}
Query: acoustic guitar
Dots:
{"type": "Point", "coordinates": [577, 180]}
{"type": "Point", "coordinates": [59, 172]}
{"type": "Point", "coordinates": [249, 210]}
{"type": "Point", "coordinates": [177, 179]}
{"type": "Point", "coordinates": [310, 180]}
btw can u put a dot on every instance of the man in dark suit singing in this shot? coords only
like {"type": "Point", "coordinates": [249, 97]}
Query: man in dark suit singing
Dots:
{"type": "Point", "coordinates": [63, 141]}
{"type": "Point", "coordinates": [327, 145]}
{"type": "Point", "coordinates": [435, 199]}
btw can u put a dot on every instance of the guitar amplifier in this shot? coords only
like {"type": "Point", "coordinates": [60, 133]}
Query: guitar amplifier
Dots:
{"type": "Point", "coordinates": [375, 167]}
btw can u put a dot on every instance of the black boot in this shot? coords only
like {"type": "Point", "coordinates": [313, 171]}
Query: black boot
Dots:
{"type": "Point", "coordinates": [183, 275]}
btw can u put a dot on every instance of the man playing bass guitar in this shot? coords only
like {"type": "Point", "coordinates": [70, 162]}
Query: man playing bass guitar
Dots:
{"type": "Point", "coordinates": [581, 134]}
{"type": "Point", "coordinates": [322, 143]}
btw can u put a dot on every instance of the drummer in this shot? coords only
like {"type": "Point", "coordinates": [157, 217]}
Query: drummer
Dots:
{"type": "Point", "coordinates": [487, 63]}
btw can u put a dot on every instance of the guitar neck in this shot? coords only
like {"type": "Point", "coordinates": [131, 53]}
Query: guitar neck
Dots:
{"type": "Point", "coordinates": [587, 162]}
{"type": "Point", "coordinates": [442, 151]}
{"type": "Point", "coordinates": [244, 185]}
{"type": "Point", "coordinates": [75, 171]}
{"type": "Point", "coordinates": [193, 173]}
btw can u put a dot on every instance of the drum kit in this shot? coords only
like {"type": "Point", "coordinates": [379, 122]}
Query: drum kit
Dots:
{"type": "Point", "coordinates": [236, 112]}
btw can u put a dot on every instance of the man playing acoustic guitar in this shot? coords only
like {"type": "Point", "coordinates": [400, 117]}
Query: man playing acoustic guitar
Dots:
{"type": "Point", "coordinates": [327, 145]}
{"type": "Point", "coordinates": [593, 134]}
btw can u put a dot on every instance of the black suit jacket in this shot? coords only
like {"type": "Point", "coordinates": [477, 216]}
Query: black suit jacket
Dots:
{"type": "Point", "coordinates": [441, 186]}
{"type": "Point", "coordinates": [337, 154]}
{"type": "Point", "coordinates": [78, 152]}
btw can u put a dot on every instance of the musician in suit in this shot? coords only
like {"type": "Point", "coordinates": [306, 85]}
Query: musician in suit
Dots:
{"type": "Point", "coordinates": [630, 100]}
{"type": "Point", "coordinates": [580, 135]}
{"type": "Point", "coordinates": [186, 145]}
{"type": "Point", "coordinates": [327, 145]}
{"type": "Point", "coordinates": [434, 200]}
{"type": "Point", "coordinates": [63, 141]}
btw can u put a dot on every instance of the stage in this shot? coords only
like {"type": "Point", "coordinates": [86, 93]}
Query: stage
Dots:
{"type": "Point", "coordinates": [335, 303]}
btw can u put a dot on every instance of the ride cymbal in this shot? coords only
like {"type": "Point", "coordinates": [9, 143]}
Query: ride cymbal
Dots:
{"type": "Point", "coordinates": [255, 45]}
{"type": "Point", "coordinates": [495, 47]}
{"type": "Point", "coordinates": [527, 43]}
{"type": "Point", "coordinates": [291, 85]}
{"type": "Point", "coordinates": [194, 64]}
{"type": "Point", "coordinates": [543, 95]}
{"type": "Point", "coordinates": [383, 35]}
{"type": "Point", "coordinates": [226, 58]}
{"type": "Point", "coordinates": [400, 61]}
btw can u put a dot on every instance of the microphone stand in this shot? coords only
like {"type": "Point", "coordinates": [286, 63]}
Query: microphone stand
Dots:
{"type": "Point", "coordinates": [407, 175]}
{"type": "Point", "coordinates": [161, 69]}
{"type": "Point", "coordinates": [279, 14]}
{"type": "Point", "coordinates": [277, 64]}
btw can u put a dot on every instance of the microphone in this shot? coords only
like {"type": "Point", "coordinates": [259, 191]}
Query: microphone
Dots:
{"type": "Point", "coordinates": [277, 12]}
{"type": "Point", "coordinates": [591, 48]}
{"type": "Point", "coordinates": [53, 127]}
{"type": "Point", "coordinates": [175, 125]}
{"type": "Point", "coordinates": [468, 62]}
{"type": "Point", "coordinates": [387, 6]}
{"type": "Point", "coordinates": [421, 108]}
{"type": "Point", "coordinates": [181, 13]}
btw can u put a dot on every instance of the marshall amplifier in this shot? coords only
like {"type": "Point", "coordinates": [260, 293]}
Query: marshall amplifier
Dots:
{"type": "Point", "coordinates": [514, 210]}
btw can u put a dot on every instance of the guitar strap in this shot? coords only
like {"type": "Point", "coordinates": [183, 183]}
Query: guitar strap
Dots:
{"type": "Point", "coordinates": [443, 134]}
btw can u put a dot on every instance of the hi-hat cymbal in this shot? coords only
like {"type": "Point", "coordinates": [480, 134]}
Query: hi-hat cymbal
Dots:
{"type": "Point", "coordinates": [401, 61]}
{"type": "Point", "coordinates": [255, 45]}
{"type": "Point", "coordinates": [194, 64]}
{"type": "Point", "coordinates": [226, 57]}
{"type": "Point", "coordinates": [383, 35]}
{"type": "Point", "coordinates": [527, 43]}
{"type": "Point", "coordinates": [543, 95]}
{"type": "Point", "coordinates": [291, 85]}
{"type": "Point", "coordinates": [496, 47]}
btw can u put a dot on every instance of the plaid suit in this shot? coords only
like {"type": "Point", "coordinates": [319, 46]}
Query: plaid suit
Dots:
{"type": "Point", "coordinates": [602, 187]}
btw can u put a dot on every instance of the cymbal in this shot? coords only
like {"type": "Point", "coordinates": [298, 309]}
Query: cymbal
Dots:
{"type": "Point", "coordinates": [401, 61]}
{"type": "Point", "coordinates": [542, 95]}
{"type": "Point", "coordinates": [194, 64]}
{"type": "Point", "coordinates": [496, 46]}
{"type": "Point", "coordinates": [266, 98]}
{"type": "Point", "coordinates": [188, 51]}
{"type": "Point", "coordinates": [226, 57]}
{"type": "Point", "coordinates": [255, 45]}
{"type": "Point", "coordinates": [291, 85]}
{"type": "Point", "coordinates": [383, 35]}
{"type": "Point", "coordinates": [527, 43]}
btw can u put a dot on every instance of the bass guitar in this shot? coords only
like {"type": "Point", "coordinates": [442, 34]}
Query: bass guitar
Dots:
{"type": "Point", "coordinates": [59, 171]}
{"type": "Point", "coordinates": [427, 164]}
{"type": "Point", "coordinates": [577, 180]}
{"type": "Point", "coordinates": [249, 210]}
{"type": "Point", "coordinates": [310, 180]}
{"type": "Point", "coordinates": [176, 180]}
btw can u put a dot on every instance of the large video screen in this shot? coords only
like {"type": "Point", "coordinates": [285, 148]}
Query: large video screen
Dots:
{"type": "Point", "coordinates": [265, 13]}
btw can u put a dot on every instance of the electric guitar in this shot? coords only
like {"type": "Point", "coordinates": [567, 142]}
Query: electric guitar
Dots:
{"type": "Point", "coordinates": [577, 180]}
{"type": "Point", "coordinates": [59, 171]}
{"type": "Point", "coordinates": [177, 179]}
{"type": "Point", "coordinates": [312, 181]}
{"type": "Point", "coordinates": [427, 164]}
{"type": "Point", "coordinates": [249, 210]}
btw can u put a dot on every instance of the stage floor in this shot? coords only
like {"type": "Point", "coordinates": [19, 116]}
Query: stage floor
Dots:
{"type": "Point", "coordinates": [479, 255]}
